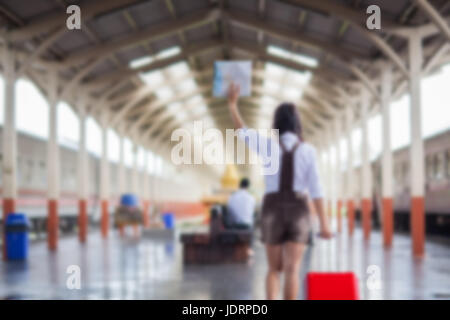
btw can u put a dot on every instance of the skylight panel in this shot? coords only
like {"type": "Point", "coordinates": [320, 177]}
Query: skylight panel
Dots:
{"type": "Point", "coordinates": [200, 109]}
{"type": "Point", "coordinates": [178, 69]}
{"type": "Point", "coordinates": [267, 108]}
{"type": "Point", "coordinates": [292, 94]}
{"type": "Point", "coordinates": [197, 99]}
{"type": "Point", "coordinates": [187, 86]}
{"type": "Point", "coordinates": [208, 122]}
{"type": "Point", "coordinates": [271, 86]}
{"type": "Point", "coordinates": [139, 62]}
{"type": "Point", "coordinates": [268, 100]}
{"type": "Point", "coordinates": [167, 53]}
{"type": "Point", "coordinates": [263, 123]}
{"type": "Point", "coordinates": [274, 70]}
{"type": "Point", "coordinates": [165, 93]}
{"type": "Point", "coordinates": [175, 106]}
{"type": "Point", "coordinates": [295, 77]}
{"type": "Point", "coordinates": [307, 60]}
{"type": "Point", "coordinates": [152, 78]}
{"type": "Point", "coordinates": [178, 112]}
{"type": "Point", "coordinates": [289, 55]}
{"type": "Point", "coordinates": [279, 52]}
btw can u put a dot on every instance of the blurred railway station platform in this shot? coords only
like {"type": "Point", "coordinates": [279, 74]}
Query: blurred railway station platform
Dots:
{"type": "Point", "coordinates": [92, 93]}
{"type": "Point", "coordinates": [126, 269]}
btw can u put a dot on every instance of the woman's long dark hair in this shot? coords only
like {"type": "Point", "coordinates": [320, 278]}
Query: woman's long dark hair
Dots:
{"type": "Point", "coordinates": [287, 119]}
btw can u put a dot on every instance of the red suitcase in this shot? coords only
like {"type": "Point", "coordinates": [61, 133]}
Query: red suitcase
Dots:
{"type": "Point", "coordinates": [332, 286]}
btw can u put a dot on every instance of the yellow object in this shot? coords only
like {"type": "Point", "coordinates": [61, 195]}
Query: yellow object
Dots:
{"type": "Point", "coordinates": [230, 183]}
{"type": "Point", "coordinates": [230, 179]}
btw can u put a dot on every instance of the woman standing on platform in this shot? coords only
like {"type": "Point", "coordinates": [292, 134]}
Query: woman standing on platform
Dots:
{"type": "Point", "coordinates": [285, 220]}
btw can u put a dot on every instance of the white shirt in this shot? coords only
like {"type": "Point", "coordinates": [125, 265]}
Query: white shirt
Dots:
{"type": "Point", "coordinates": [241, 206]}
{"type": "Point", "coordinates": [306, 177]}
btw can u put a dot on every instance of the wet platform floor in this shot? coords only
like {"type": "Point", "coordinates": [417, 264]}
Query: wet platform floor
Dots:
{"type": "Point", "coordinates": [123, 268]}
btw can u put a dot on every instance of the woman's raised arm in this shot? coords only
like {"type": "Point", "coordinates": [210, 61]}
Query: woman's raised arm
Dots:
{"type": "Point", "coordinates": [233, 97]}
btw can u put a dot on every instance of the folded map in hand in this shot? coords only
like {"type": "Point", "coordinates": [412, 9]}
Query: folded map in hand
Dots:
{"type": "Point", "coordinates": [226, 72]}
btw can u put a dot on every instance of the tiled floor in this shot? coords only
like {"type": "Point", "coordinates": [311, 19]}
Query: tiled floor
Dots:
{"type": "Point", "coordinates": [129, 269]}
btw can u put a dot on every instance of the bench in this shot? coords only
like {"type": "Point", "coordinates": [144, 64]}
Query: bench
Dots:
{"type": "Point", "coordinates": [220, 245]}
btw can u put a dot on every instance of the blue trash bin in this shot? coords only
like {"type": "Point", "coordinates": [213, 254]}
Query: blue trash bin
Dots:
{"type": "Point", "coordinates": [16, 231]}
{"type": "Point", "coordinates": [129, 200]}
{"type": "Point", "coordinates": [169, 220]}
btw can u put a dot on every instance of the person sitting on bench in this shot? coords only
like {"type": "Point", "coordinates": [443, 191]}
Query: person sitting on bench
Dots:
{"type": "Point", "coordinates": [241, 207]}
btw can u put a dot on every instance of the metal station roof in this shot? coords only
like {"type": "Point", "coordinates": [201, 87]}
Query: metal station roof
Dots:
{"type": "Point", "coordinates": [321, 43]}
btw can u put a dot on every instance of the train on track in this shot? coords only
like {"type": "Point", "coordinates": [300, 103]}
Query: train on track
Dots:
{"type": "Point", "coordinates": [437, 186]}
{"type": "Point", "coordinates": [32, 177]}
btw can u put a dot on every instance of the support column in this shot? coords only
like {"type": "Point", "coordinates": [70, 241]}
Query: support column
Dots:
{"type": "Point", "coordinates": [322, 163]}
{"type": "Point", "coordinates": [416, 151]}
{"type": "Point", "coordinates": [366, 200]}
{"type": "Point", "coordinates": [151, 182]}
{"type": "Point", "coordinates": [387, 171]}
{"type": "Point", "coordinates": [135, 181]}
{"type": "Point", "coordinates": [350, 180]}
{"type": "Point", "coordinates": [154, 183]}
{"type": "Point", "coordinates": [338, 180]}
{"type": "Point", "coordinates": [122, 176]}
{"type": "Point", "coordinates": [53, 171]}
{"type": "Point", "coordinates": [83, 180]}
{"type": "Point", "coordinates": [323, 169]}
{"type": "Point", "coordinates": [145, 189]}
{"type": "Point", "coordinates": [134, 175]}
{"type": "Point", "coordinates": [104, 183]}
{"type": "Point", "coordinates": [330, 177]}
{"type": "Point", "coordinates": [9, 140]}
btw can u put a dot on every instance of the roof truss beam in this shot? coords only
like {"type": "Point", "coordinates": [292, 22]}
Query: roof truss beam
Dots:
{"type": "Point", "coordinates": [435, 17]}
{"type": "Point", "coordinates": [356, 17]}
{"type": "Point", "coordinates": [57, 18]}
{"type": "Point", "coordinates": [147, 35]}
{"type": "Point", "coordinates": [292, 36]}
{"type": "Point", "coordinates": [126, 72]}
{"type": "Point", "coordinates": [335, 9]}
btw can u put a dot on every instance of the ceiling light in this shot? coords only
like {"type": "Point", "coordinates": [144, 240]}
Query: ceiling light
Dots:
{"type": "Point", "coordinates": [306, 60]}
{"type": "Point", "coordinates": [279, 52]}
{"type": "Point", "coordinates": [297, 57]}
{"type": "Point", "coordinates": [139, 62]}
{"type": "Point", "coordinates": [167, 53]}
